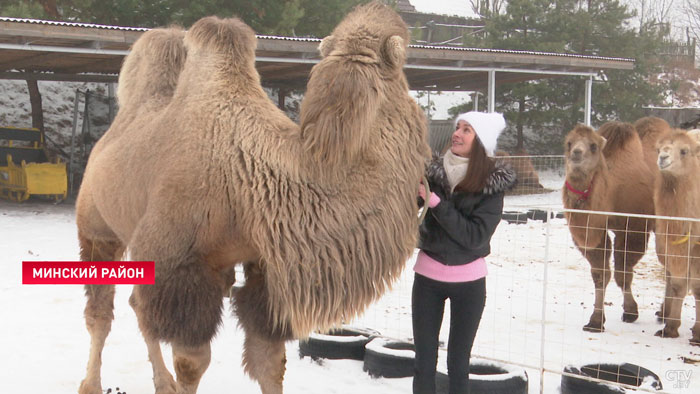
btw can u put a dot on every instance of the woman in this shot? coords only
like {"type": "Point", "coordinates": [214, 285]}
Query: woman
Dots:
{"type": "Point", "coordinates": [464, 210]}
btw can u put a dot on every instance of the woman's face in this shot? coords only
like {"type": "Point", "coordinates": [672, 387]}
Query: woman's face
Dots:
{"type": "Point", "coordinates": [462, 139]}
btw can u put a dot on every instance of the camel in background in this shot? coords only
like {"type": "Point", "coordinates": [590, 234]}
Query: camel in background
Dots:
{"type": "Point", "coordinates": [323, 215]}
{"type": "Point", "coordinates": [677, 194]}
{"type": "Point", "coordinates": [606, 171]}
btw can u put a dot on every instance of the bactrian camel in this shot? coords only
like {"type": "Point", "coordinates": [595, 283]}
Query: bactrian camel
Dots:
{"type": "Point", "coordinates": [200, 172]}
{"type": "Point", "coordinates": [606, 171]}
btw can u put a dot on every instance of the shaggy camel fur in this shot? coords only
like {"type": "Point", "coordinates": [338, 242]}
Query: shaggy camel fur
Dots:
{"type": "Point", "coordinates": [677, 193]}
{"type": "Point", "coordinates": [323, 215]}
{"type": "Point", "coordinates": [605, 171]}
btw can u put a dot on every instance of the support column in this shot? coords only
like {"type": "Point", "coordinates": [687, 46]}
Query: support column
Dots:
{"type": "Point", "coordinates": [587, 109]}
{"type": "Point", "coordinates": [492, 91]}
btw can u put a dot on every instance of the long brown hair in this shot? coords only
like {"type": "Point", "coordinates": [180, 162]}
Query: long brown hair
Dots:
{"type": "Point", "coordinates": [478, 171]}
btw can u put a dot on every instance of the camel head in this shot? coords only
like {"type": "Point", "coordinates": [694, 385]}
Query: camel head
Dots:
{"type": "Point", "coordinates": [677, 155]}
{"type": "Point", "coordinates": [583, 150]}
{"type": "Point", "coordinates": [152, 67]}
{"type": "Point", "coordinates": [361, 70]}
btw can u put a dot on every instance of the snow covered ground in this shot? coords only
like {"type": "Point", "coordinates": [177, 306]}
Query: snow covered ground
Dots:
{"type": "Point", "coordinates": [538, 291]}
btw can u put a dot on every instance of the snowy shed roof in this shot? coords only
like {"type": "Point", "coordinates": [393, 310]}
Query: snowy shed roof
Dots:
{"type": "Point", "coordinates": [48, 50]}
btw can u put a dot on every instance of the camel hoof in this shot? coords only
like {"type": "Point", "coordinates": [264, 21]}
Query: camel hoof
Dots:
{"type": "Point", "coordinates": [630, 317]}
{"type": "Point", "coordinates": [660, 316]}
{"type": "Point", "coordinates": [593, 327]}
{"type": "Point", "coordinates": [667, 333]}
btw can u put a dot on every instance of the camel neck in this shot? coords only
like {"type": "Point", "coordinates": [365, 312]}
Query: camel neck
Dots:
{"type": "Point", "coordinates": [583, 193]}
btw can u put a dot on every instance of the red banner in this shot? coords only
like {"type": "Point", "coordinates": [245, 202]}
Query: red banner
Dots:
{"type": "Point", "coordinates": [88, 272]}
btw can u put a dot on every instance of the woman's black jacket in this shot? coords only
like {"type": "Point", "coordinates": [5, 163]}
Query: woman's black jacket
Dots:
{"type": "Point", "coordinates": [458, 230]}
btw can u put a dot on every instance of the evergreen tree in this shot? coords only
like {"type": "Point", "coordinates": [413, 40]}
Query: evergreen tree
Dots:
{"type": "Point", "coordinates": [553, 106]}
{"type": "Point", "coordinates": [289, 17]}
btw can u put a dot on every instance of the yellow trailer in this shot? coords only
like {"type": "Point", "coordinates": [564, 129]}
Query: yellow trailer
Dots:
{"type": "Point", "coordinates": [25, 169]}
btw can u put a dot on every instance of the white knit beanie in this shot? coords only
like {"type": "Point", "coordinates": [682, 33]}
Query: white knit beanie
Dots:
{"type": "Point", "coordinates": [488, 126]}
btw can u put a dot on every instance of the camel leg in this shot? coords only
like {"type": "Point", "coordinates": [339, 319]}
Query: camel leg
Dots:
{"type": "Point", "coordinates": [183, 307]}
{"type": "Point", "coordinates": [264, 355]}
{"type": "Point", "coordinates": [264, 360]}
{"type": "Point", "coordinates": [629, 249]}
{"type": "Point", "coordinates": [190, 364]}
{"type": "Point", "coordinates": [695, 340]}
{"type": "Point", "coordinates": [99, 309]}
{"type": "Point", "coordinates": [599, 258]}
{"type": "Point", "coordinates": [662, 313]}
{"type": "Point", "coordinates": [162, 379]}
{"type": "Point", "coordinates": [673, 305]}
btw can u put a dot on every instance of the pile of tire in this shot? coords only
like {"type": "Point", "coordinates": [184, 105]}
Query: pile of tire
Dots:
{"type": "Point", "coordinates": [515, 217]}
{"type": "Point", "coordinates": [574, 380]}
{"type": "Point", "coordinates": [345, 342]}
{"type": "Point", "coordinates": [388, 358]}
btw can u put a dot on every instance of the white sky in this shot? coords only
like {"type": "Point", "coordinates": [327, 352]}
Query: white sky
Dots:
{"type": "Point", "coordinates": [445, 7]}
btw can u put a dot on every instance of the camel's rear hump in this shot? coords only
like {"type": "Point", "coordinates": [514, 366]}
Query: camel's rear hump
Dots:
{"type": "Point", "coordinates": [229, 37]}
{"type": "Point", "coordinates": [618, 136]}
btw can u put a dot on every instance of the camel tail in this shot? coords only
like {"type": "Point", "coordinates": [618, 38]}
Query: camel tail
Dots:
{"type": "Point", "coordinates": [617, 134]}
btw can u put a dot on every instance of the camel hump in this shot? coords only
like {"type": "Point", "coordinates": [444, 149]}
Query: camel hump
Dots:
{"type": "Point", "coordinates": [152, 67]}
{"type": "Point", "coordinates": [617, 136]}
{"type": "Point", "coordinates": [651, 129]}
{"type": "Point", "coordinates": [229, 37]}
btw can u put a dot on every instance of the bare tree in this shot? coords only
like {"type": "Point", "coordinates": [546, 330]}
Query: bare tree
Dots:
{"type": "Point", "coordinates": [487, 7]}
{"type": "Point", "coordinates": [691, 14]}
{"type": "Point", "coordinates": [653, 12]}
{"type": "Point", "coordinates": [691, 11]}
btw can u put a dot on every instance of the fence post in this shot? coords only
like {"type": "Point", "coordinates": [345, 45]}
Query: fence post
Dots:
{"type": "Point", "coordinates": [72, 139]}
{"type": "Point", "coordinates": [544, 294]}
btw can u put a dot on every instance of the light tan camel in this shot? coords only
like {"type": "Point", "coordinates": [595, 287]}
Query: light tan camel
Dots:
{"type": "Point", "coordinates": [677, 194]}
{"type": "Point", "coordinates": [605, 171]}
{"type": "Point", "coordinates": [695, 133]}
{"type": "Point", "coordinates": [323, 215]}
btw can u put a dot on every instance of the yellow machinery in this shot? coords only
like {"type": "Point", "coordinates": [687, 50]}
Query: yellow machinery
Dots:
{"type": "Point", "coordinates": [25, 169]}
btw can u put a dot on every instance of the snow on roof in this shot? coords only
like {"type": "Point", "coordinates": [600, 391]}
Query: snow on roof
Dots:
{"type": "Point", "coordinates": [71, 24]}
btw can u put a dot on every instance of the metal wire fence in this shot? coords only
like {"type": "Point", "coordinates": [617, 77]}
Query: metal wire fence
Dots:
{"type": "Point", "coordinates": [541, 294]}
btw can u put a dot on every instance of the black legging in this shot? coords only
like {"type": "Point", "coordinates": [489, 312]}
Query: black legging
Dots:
{"type": "Point", "coordinates": [467, 301]}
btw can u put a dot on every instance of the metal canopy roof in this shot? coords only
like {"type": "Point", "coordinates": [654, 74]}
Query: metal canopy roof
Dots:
{"type": "Point", "coordinates": [61, 51]}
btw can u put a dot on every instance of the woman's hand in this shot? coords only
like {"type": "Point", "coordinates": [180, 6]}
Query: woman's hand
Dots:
{"type": "Point", "coordinates": [434, 199]}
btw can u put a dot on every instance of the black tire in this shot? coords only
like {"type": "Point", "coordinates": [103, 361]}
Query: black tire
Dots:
{"type": "Point", "coordinates": [342, 343]}
{"type": "Point", "coordinates": [630, 374]}
{"type": "Point", "coordinates": [389, 359]}
{"type": "Point", "coordinates": [487, 377]}
{"type": "Point", "coordinates": [537, 214]}
{"type": "Point", "coordinates": [514, 217]}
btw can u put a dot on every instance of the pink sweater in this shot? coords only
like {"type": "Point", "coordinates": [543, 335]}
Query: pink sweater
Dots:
{"type": "Point", "coordinates": [433, 269]}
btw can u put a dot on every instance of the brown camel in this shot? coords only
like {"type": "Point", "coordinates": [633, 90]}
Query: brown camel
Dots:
{"type": "Point", "coordinates": [528, 179]}
{"type": "Point", "coordinates": [677, 194]}
{"type": "Point", "coordinates": [605, 171]}
{"type": "Point", "coordinates": [322, 215]}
